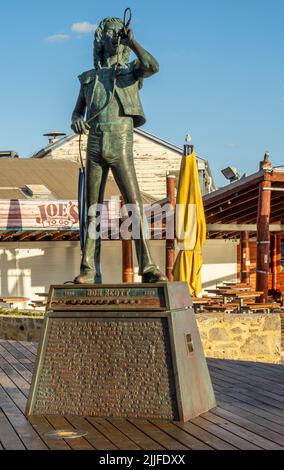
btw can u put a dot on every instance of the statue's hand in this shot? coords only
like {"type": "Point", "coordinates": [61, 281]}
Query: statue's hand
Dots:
{"type": "Point", "coordinates": [80, 126]}
{"type": "Point", "coordinates": [127, 38]}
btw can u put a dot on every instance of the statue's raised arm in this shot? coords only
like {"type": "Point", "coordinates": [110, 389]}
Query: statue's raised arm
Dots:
{"type": "Point", "coordinates": [146, 65]}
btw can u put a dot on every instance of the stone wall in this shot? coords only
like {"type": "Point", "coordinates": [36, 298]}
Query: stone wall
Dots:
{"type": "Point", "coordinates": [255, 337]}
{"type": "Point", "coordinates": [20, 328]}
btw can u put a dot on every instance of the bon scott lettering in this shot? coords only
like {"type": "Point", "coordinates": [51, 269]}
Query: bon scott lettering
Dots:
{"type": "Point", "coordinates": [112, 293]}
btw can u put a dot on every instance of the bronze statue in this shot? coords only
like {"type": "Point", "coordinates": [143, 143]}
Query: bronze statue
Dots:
{"type": "Point", "coordinates": [110, 95]}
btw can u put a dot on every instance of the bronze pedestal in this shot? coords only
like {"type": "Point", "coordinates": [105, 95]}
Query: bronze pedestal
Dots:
{"type": "Point", "coordinates": [128, 351]}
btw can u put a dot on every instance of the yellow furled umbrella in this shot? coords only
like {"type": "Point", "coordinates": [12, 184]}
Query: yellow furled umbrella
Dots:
{"type": "Point", "coordinates": [191, 225]}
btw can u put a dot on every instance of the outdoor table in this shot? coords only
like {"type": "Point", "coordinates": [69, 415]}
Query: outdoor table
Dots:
{"type": "Point", "coordinates": [222, 290]}
{"type": "Point", "coordinates": [13, 300]}
{"type": "Point", "coordinates": [241, 297]}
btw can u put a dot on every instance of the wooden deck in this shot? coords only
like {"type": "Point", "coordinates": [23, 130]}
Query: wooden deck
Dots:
{"type": "Point", "coordinates": [249, 416]}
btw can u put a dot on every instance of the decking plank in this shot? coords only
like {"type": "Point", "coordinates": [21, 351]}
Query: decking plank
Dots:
{"type": "Point", "coordinates": [142, 440]}
{"type": "Point", "coordinates": [8, 436]}
{"type": "Point", "coordinates": [230, 379]}
{"type": "Point", "coordinates": [25, 352]}
{"type": "Point", "coordinates": [42, 426]}
{"type": "Point", "coordinates": [13, 391]}
{"type": "Point", "coordinates": [224, 434]}
{"type": "Point", "coordinates": [250, 426]}
{"type": "Point", "coordinates": [24, 430]}
{"type": "Point", "coordinates": [12, 361]}
{"type": "Point", "coordinates": [60, 423]}
{"type": "Point", "coordinates": [249, 415]}
{"type": "Point", "coordinates": [266, 410]}
{"type": "Point", "coordinates": [255, 374]}
{"type": "Point", "coordinates": [230, 371]}
{"type": "Point", "coordinates": [205, 436]}
{"type": "Point", "coordinates": [241, 432]}
{"type": "Point", "coordinates": [32, 347]}
{"type": "Point", "coordinates": [270, 370]}
{"type": "Point", "coordinates": [152, 431]}
{"type": "Point", "coordinates": [118, 438]}
{"type": "Point", "coordinates": [234, 408]}
{"type": "Point", "coordinates": [250, 393]}
{"type": "Point", "coordinates": [228, 399]}
{"type": "Point", "coordinates": [174, 431]}
{"type": "Point", "coordinates": [21, 359]}
{"type": "Point", "coordinates": [97, 440]}
{"type": "Point", "coordinates": [17, 378]}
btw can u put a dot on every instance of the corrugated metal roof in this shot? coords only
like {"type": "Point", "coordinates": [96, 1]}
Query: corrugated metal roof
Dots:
{"type": "Point", "coordinates": [59, 176]}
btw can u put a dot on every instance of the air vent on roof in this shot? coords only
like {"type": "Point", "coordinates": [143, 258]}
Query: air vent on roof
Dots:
{"type": "Point", "coordinates": [54, 136]}
{"type": "Point", "coordinates": [8, 154]}
{"type": "Point", "coordinates": [37, 191]}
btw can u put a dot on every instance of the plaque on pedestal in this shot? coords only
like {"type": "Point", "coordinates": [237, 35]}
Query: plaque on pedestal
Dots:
{"type": "Point", "coordinates": [128, 351]}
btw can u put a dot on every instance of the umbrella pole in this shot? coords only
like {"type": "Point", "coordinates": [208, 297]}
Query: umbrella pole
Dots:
{"type": "Point", "coordinates": [170, 243]}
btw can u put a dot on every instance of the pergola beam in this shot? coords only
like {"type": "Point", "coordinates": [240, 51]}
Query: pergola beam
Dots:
{"type": "Point", "coordinates": [251, 205]}
{"type": "Point", "coordinates": [234, 188]}
{"type": "Point", "coordinates": [241, 228]}
{"type": "Point", "coordinates": [27, 235]}
{"type": "Point", "coordinates": [9, 235]}
{"type": "Point", "coordinates": [277, 176]}
{"type": "Point", "coordinates": [235, 201]}
{"type": "Point", "coordinates": [58, 236]}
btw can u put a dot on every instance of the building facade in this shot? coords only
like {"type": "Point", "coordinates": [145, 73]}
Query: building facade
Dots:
{"type": "Point", "coordinates": [154, 158]}
{"type": "Point", "coordinates": [39, 225]}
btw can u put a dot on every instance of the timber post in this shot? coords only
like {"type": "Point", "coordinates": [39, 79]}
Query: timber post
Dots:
{"type": "Point", "coordinates": [275, 259]}
{"type": "Point", "coordinates": [245, 258]}
{"type": "Point", "coordinates": [263, 234]}
{"type": "Point", "coordinates": [170, 243]}
{"type": "Point", "coordinates": [127, 259]}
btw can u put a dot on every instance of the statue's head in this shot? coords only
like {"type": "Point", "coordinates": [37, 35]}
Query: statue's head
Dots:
{"type": "Point", "coordinates": [104, 42]}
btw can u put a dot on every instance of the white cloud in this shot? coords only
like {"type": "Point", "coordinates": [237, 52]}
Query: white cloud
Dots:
{"type": "Point", "coordinates": [232, 146]}
{"type": "Point", "coordinates": [58, 38]}
{"type": "Point", "coordinates": [83, 27]}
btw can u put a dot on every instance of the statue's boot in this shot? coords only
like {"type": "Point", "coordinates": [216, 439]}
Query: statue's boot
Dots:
{"type": "Point", "coordinates": [154, 276]}
{"type": "Point", "coordinates": [86, 278]}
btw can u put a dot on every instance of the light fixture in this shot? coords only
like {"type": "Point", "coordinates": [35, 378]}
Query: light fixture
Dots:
{"type": "Point", "coordinates": [231, 173]}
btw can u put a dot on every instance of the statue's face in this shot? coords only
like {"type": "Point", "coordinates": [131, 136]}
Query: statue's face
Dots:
{"type": "Point", "coordinates": [111, 38]}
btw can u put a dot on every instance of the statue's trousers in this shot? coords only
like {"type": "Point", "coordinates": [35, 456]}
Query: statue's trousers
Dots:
{"type": "Point", "coordinates": [111, 147]}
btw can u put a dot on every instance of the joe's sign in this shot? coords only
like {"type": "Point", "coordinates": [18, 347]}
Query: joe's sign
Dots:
{"type": "Point", "coordinates": [37, 215]}
{"type": "Point", "coordinates": [58, 215]}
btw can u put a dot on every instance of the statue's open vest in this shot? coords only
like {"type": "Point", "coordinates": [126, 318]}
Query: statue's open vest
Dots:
{"type": "Point", "coordinates": [127, 89]}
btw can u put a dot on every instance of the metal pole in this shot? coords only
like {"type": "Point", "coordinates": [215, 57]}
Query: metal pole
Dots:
{"type": "Point", "coordinates": [170, 243]}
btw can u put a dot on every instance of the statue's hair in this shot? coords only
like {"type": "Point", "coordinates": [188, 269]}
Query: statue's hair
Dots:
{"type": "Point", "coordinates": [99, 42]}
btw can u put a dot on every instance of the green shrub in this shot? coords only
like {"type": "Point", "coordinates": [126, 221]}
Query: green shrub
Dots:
{"type": "Point", "coordinates": [16, 312]}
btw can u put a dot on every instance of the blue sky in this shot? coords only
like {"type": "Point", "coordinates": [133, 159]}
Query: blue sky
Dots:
{"type": "Point", "coordinates": [221, 73]}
